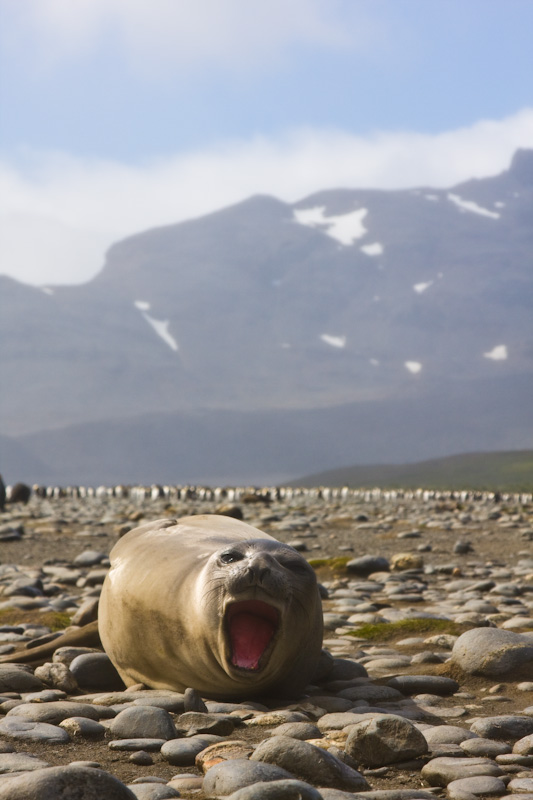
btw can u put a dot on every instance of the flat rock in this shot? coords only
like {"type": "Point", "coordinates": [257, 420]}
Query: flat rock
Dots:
{"type": "Point", "coordinates": [25, 730]}
{"type": "Point", "coordinates": [227, 777]}
{"type": "Point", "coordinates": [277, 790]}
{"type": "Point", "coordinates": [309, 763]}
{"type": "Point", "coordinates": [143, 722]}
{"type": "Point", "coordinates": [443, 770]}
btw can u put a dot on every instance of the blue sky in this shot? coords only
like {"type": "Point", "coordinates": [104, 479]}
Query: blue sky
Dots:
{"type": "Point", "coordinates": [119, 115]}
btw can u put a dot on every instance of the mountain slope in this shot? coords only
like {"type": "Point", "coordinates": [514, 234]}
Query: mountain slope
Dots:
{"type": "Point", "coordinates": [376, 299]}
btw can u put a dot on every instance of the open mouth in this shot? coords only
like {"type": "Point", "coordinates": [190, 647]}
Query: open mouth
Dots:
{"type": "Point", "coordinates": [251, 625]}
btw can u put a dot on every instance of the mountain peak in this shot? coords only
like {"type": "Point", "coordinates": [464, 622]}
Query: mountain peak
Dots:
{"type": "Point", "coordinates": [522, 166]}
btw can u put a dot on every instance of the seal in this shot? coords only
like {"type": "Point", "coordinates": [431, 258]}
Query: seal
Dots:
{"type": "Point", "coordinates": [211, 603]}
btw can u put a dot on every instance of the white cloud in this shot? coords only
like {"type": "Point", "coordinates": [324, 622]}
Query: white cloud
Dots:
{"type": "Point", "coordinates": [60, 212]}
{"type": "Point", "coordinates": [160, 34]}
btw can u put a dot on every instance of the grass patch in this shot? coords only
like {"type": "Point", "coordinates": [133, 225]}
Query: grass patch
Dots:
{"type": "Point", "coordinates": [385, 631]}
{"type": "Point", "coordinates": [55, 620]}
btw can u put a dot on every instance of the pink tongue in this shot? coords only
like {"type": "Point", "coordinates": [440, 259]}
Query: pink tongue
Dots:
{"type": "Point", "coordinates": [250, 636]}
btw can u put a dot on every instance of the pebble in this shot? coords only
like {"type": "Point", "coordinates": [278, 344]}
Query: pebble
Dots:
{"type": "Point", "coordinates": [419, 680]}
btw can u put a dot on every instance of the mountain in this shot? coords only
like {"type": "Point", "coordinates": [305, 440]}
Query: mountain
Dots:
{"type": "Point", "coordinates": [270, 339]}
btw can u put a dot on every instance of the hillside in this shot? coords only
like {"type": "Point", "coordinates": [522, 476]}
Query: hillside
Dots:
{"type": "Point", "coordinates": [505, 471]}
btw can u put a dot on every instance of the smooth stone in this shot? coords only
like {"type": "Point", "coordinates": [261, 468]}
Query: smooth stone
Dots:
{"type": "Point", "coordinates": [65, 782]}
{"type": "Point", "coordinates": [20, 762]}
{"type": "Point", "coordinates": [379, 794]}
{"type": "Point", "coordinates": [94, 672]}
{"type": "Point", "coordinates": [443, 770]}
{"type": "Point", "coordinates": [524, 746]}
{"type": "Point", "coordinates": [186, 782]}
{"type": "Point", "coordinates": [54, 712]}
{"type": "Point", "coordinates": [484, 785]}
{"type": "Point", "coordinates": [152, 791]}
{"type": "Point", "coordinates": [367, 564]}
{"type": "Point", "coordinates": [18, 678]}
{"type": "Point", "coordinates": [297, 730]}
{"type": "Point", "coordinates": [428, 684]}
{"type": "Point", "coordinates": [309, 763]}
{"type": "Point", "coordinates": [449, 734]}
{"type": "Point", "coordinates": [183, 752]}
{"type": "Point", "coordinates": [131, 745]}
{"type": "Point", "coordinates": [277, 790]}
{"type": "Point", "coordinates": [520, 785]}
{"type": "Point", "coordinates": [14, 728]}
{"type": "Point", "coordinates": [344, 669]}
{"type": "Point", "coordinates": [141, 758]}
{"type": "Point", "coordinates": [492, 652]}
{"type": "Point", "coordinates": [385, 739]}
{"type": "Point", "coordinates": [484, 747]}
{"type": "Point", "coordinates": [338, 721]}
{"type": "Point", "coordinates": [66, 655]}
{"type": "Point", "coordinates": [146, 722]}
{"type": "Point", "coordinates": [83, 728]}
{"type": "Point", "coordinates": [227, 777]}
{"type": "Point", "coordinates": [508, 727]}
{"type": "Point", "coordinates": [372, 693]}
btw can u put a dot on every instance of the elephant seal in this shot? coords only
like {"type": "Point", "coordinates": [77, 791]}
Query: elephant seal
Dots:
{"type": "Point", "coordinates": [211, 603]}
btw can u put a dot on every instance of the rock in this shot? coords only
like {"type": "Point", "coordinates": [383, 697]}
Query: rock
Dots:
{"type": "Point", "coordinates": [87, 612]}
{"type": "Point", "coordinates": [366, 565]}
{"type": "Point", "coordinates": [493, 653]}
{"type": "Point", "coordinates": [484, 747]}
{"type": "Point", "coordinates": [147, 722]}
{"type": "Point", "coordinates": [58, 676]}
{"type": "Point", "coordinates": [94, 672]}
{"type": "Point", "coordinates": [193, 702]}
{"type": "Point", "coordinates": [443, 770]}
{"type": "Point", "coordinates": [309, 763]}
{"type": "Point", "coordinates": [18, 678]}
{"type": "Point", "coordinates": [385, 739]}
{"type": "Point", "coordinates": [183, 752]}
{"type": "Point", "coordinates": [524, 746]}
{"type": "Point", "coordinates": [83, 728]}
{"type": "Point", "coordinates": [277, 790]}
{"type": "Point", "coordinates": [223, 751]}
{"type": "Point", "coordinates": [404, 561]}
{"type": "Point", "coordinates": [297, 730]}
{"type": "Point", "coordinates": [196, 722]}
{"type": "Point", "coordinates": [227, 777]}
{"type": "Point", "coordinates": [449, 734]}
{"type": "Point", "coordinates": [422, 684]}
{"type": "Point", "coordinates": [482, 785]}
{"type": "Point", "coordinates": [21, 729]}
{"type": "Point", "coordinates": [19, 762]}
{"type": "Point", "coordinates": [131, 745]}
{"type": "Point", "coordinates": [508, 727]}
{"type": "Point", "coordinates": [54, 712]}
{"type": "Point", "coordinates": [68, 783]}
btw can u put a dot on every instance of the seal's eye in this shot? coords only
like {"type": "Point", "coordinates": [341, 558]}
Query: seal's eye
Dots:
{"type": "Point", "coordinates": [230, 556]}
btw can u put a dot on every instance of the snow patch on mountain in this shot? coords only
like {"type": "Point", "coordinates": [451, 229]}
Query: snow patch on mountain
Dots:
{"type": "Point", "coordinates": [413, 366]}
{"type": "Point", "coordinates": [498, 353]}
{"type": "Point", "coordinates": [421, 287]}
{"type": "Point", "coordinates": [345, 228]}
{"type": "Point", "coordinates": [374, 249]}
{"type": "Point", "coordinates": [334, 341]}
{"type": "Point", "coordinates": [160, 326]}
{"type": "Point", "coordinates": [469, 205]}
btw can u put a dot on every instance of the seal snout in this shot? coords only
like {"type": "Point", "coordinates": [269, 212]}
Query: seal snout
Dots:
{"type": "Point", "coordinates": [251, 625]}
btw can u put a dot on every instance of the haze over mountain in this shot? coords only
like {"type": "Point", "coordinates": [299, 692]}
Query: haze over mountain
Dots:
{"type": "Point", "coordinates": [269, 340]}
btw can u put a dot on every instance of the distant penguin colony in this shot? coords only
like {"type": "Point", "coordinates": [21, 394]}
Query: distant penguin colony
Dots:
{"type": "Point", "coordinates": [256, 494]}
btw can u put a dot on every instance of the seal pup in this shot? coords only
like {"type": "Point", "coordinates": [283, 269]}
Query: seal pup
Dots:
{"type": "Point", "coordinates": [211, 603]}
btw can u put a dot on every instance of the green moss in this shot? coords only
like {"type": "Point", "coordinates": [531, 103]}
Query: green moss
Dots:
{"type": "Point", "coordinates": [55, 620]}
{"type": "Point", "coordinates": [385, 631]}
{"type": "Point", "coordinates": [337, 562]}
